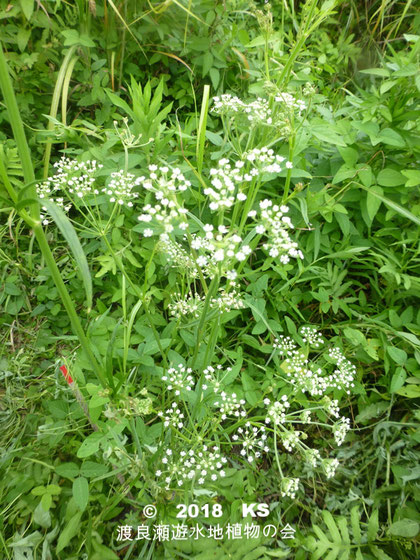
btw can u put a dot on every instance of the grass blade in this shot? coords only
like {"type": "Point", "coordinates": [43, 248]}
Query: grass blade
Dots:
{"type": "Point", "coordinates": [69, 234]}
{"type": "Point", "coordinates": [201, 132]}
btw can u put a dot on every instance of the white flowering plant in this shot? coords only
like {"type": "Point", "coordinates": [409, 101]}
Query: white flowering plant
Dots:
{"type": "Point", "coordinates": [206, 412]}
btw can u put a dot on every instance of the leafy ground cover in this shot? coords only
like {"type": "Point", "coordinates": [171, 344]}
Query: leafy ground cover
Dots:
{"type": "Point", "coordinates": [210, 277]}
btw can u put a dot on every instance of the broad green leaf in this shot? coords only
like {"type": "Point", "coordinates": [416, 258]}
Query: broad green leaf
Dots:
{"type": "Point", "coordinates": [70, 235]}
{"type": "Point", "coordinates": [81, 492]}
{"type": "Point", "coordinates": [409, 391]}
{"type": "Point", "coordinates": [67, 470]}
{"type": "Point", "coordinates": [42, 517]}
{"type": "Point", "coordinates": [327, 133]}
{"type": "Point", "coordinates": [373, 203]}
{"type": "Point", "coordinates": [46, 501]}
{"type": "Point", "coordinates": [332, 526]}
{"type": "Point", "coordinates": [376, 72]}
{"type": "Point", "coordinates": [90, 469]}
{"type": "Point", "coordinates": [345, 253]}
{"type": "Point", "coordinates": [27, 8]}
{"type": "Point", "coordinates": [379, 553]}
{"type": "Point", "coordinates": [89, 446]}
{"type": "Point", "coordinates": [397, 380]}
{"type": "Point", "coordinates": [23, 38]}
{"type": "Point", "coordinates": [413, 177]}
{"type": "Point", "coordinates": [215, 77]}
{"type": "Point", "coordinates": [372, 411]}
{"type": "Point", "coordinates": [405, 528]}
{"type": "Point", "coordinates": [70, 530]}
{"type": "Point", "coordinates": [355, 336]}
{"type": "Point", "coordinates": [390, 137]}
{"type": "Point", "coordinates": [207, 63]}
{"type": "Point", "coordinates": [399, 356]}
{"type": "Point", "coordinates": [389, 177]}
{"type": "Point", "coordinates": [394, 206]}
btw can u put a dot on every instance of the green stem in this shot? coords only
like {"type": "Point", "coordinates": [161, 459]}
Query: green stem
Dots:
{"type": "Point", "coordinates": [67, 302]}
{"type": "Point", "coordinates": [34, 220]}
{"type": "Point", "coordinates": [200, 330]}
{"type": "Point", "coordinates": [18, 131]}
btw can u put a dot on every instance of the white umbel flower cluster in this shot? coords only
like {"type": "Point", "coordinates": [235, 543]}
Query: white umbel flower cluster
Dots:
{"type": "Point", "coordinates": [285, 345]}
{"type": "Point", "coordinates": [289, 487]}
{"type": "Point", "coordinates": [273, 222]}
{"type": "Point", "coordinates": [256, 112]}
{"type": "Point", "coordinates": [165, 183]}
{"type": "Point", "coordinates": [225, 181]}
{"type": "Point", "coordinates": [276, 412]}
{"type": "Point", "coordinates": [253, 440]}
{"type": "Point", "coordinates": [316, 377]}
{"type": "Point", "coordinates": [266, 161]}
{"type": "Point", "coordinates": [71, 176]}
{"type": "Point", "coordinates": [193, 304]}
{"type": "Point", "coordinates": [289, 102]}
{"type": "Point", "coordinates": [120, 188]}
{"type": "Point", "coordinates": [215, 376]}
{"type": "Point", "coordinates": [172, 417]}
{"type": "Point", "coordinates": [230, 405]}
{"type": "Point", "coordinates": [165, 179]}
{"type": "Point", "coordinates": [198, 466]}
{"type": "Point", "coordinates": [179, 378]}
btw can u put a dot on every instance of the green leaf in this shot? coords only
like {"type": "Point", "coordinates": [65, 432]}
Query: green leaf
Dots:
{"type": "Point", "coordinates": [70, 530]}
{"type": "Point", "coordinates": [371, 411]}
{"type": "Point", "coordinates": [27, 8]}
{"type": "Point", "coordinates": [89, 446]}
{"type": "Point", "coordinates": [390, 137]}
{"type": "Point", "coordinates": [23, 38]}
{"type": "Point", "coordinates": [397, 380]}
{"type": "Point", "coordinates": [329, 521]}
{"type": "Point", "coordinates": [379, 554]}
{"type": "Point", "coordinates": [355, 336]}
{"type": "Point", "coordinates": [215, 77]}
{"type": "Point", "coordinates": [67, 470]}
{"type": "Point", "coordinates": [81, 492]}
{"type": "Point", "coordinates": [70, 235]}
{"type": "Point", "coordinates": [376, 72]}
{"type": "Point", "coordinates": [207, 63]}
{"type": "Point", "coordinates": [345, 253]}
{"type": "Point", "coordinates": [373, 203]}
{"type": "Point", "coordinates": [413, 177]}
{"type": "Point", "coordinates": [46, 501]}
{"type": "Point", "coordinates": [327, 133]}
{"type": "Point", "coordinates": [252, 394]}
{"type": "Point", "coordinates": [394, 206]}
{"type": "Point", "coordinates": [42, 517]}
{"type": "Point", "coordinates": [91, 469]}
{"type": "Point", "coordinates": [410, 391]}
{"type": "Point", "coordinates": [405, 528]}
{"type": "Point", "coordinates": [398, 355]}
{"type": "Point", "coordinates": [373, 526]}
{"type": "Point", "coordinates": [355, 524]}
{"type": "Point", "coordinates": [389, 177]}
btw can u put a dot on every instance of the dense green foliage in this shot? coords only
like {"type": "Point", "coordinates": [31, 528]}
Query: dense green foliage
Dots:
{"type": "Point", "coordinates": [331, 87]}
